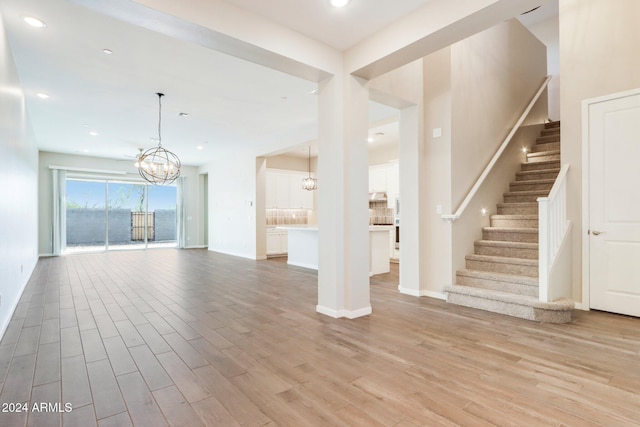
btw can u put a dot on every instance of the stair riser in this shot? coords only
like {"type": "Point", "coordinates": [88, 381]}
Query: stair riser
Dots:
{"type": "Point", "coordinates": [537, 159]}
{"type": "Point", "coordinates": [521, 198]}
{"type": "Point", "coordinates": [510, 236]}
{"type": "Point", "coordinates": [533, 166]}
{"type": "Point", "coordinates": [548, 139]}
{"type": "Point", "coordinates": [506, 252]}
{"type": "Point", "coordinates": [499, 267]}
{"type": "Point", "coordinates": [552, 131]}
{"type": "Point", "coordinates": [546, 147]}
{"type": "Point", "coordinates": [515, 310]}
{"type": "Point", "coordinates": [519, 223]}
{"type": "Point", "coordinates": [514, 288]}
{"type": "Point", "coordinates": [524, 177]}
{"type": "Point", "coordinates": [524, 186]}
{"type": "Point", "coordinates": [552, 125]}
{"type": "Point", "coordinates": [518, 210]}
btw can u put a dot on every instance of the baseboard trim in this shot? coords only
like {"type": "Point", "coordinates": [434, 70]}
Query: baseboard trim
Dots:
{"type": "Point", "coordinates": [14, 304]}
{"type": "Point", "coordinates": [303, 265]}
{"type": "Point", "coordinates": [349, 314]}
{"type": "Point", "coordinates": [422, 293]}
{"type": "Point", "coordinates": [579, 306]}
{"type": "Point", "coordinates": [195, 247]}
{"type": "Point", "coordinates": [261, 258]}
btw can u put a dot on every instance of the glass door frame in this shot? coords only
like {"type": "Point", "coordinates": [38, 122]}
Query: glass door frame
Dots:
{"type": "Point", "coordinates": [106, 180]}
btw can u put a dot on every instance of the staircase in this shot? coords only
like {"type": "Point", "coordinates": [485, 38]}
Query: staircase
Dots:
{"type": "Point", "coordinates": [502, 274]}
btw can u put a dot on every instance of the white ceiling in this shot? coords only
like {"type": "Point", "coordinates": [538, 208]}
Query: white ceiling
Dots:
{"type": "Point", "coordinates": [230, 102]}
{"type": "Point", "coordinates": [340, 28]}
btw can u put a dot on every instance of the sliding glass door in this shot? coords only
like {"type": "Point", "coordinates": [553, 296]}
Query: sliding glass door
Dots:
{"type": "Point", "coordinates": [127, 214]}
{"type": "Point", "coordinates": [104, 215]}
{"type": "Point", "coordinates": [162, 209]}
{"type": "Point", "coordinates": [86, 215]}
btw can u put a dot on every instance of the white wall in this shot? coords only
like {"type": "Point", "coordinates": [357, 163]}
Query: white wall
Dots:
{"type": "Point", "coordinates": [293, 163]}
{"type": "Point", "coordinates": [383, 155]}
{"type": "Point", "coordinates": [548, 32]}
{"type": "Point", "coordinates": [19, 207]}
{"type": "Point", "coordinates": [232, 204]}
{"type": "Point", "coordinates": [494, 75]}
{"type": "Point", "coordinates": [598, 56]}
{"type": "Point", "coordinates": [193, 197]}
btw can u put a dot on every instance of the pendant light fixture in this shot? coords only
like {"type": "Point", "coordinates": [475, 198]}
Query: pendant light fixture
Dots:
{"type": "Point", "coordinates": [158, 165]}
{"type": "Point", "coordinates": [309, 183]}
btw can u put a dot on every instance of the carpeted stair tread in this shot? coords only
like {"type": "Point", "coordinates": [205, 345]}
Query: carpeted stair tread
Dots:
{"type": "Point", "coordinates": [501, 277]}
{"type": "Point", "coordinates": [524, 300]}
{"type": "Point", "coordinates": [532, 175]}
{"type": "Point", "coordinates": [539, 193]}
{"type": "Point", "coordinates": [518, 204]}
{"type": "Point", "coordinates": [502, 259]}
{"type": "Point", "coordinates": [543, 165]}
{"type": "Point", "coordinates": [535, 181]}
{"type": "Point", "coordinates": [505, 244]}
{"type": "Point", "coordinates": [512, 229]}
{"type": "Point", "coordinates": [546, 139]}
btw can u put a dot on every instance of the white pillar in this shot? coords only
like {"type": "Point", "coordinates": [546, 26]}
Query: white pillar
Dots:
{"type": "Point", "coordinates": [410, 164]}
{"type": "Point", "coordinates": [343, 210]}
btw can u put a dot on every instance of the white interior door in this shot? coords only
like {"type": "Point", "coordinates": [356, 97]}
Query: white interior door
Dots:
{"type": "Point", "coordinates": [614, 205]}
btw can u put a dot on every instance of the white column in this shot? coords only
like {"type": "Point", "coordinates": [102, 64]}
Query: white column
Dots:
{"type": "Point", "coordinates": [410, 157]}
{"type": "Point", "coordinates": [343, 215]}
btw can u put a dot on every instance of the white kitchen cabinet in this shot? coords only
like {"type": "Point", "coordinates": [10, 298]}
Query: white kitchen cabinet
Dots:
{"type": "Point", "coordinates": [271, 191]}
{"type": "Point", "coordinates": [299, 197]}
{"type": "Point", "coordinates": [385, 178]}
{"type": "Point", "coordinates": [284, 191]}
{"type": "Point", "coordinates": [277, 241]}
{"type": "Point", "coordinates": [378, 178]}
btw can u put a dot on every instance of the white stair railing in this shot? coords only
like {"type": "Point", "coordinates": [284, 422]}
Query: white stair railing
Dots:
{"type": "Point", "coordinates": [552, 228]}
{"type": "Point", "coordinates": [487, 170]}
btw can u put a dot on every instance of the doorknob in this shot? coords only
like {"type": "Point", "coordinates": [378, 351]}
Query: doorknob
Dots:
{"type": "Point", "coordinates": [596, 232]}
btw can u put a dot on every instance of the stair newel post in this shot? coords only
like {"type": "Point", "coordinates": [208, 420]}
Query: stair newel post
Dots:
{"type": "Point", "coordinates": [543, 247]}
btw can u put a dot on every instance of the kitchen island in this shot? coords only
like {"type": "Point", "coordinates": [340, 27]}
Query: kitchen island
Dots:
{"type": "Point", "coordinates": [303, 247]}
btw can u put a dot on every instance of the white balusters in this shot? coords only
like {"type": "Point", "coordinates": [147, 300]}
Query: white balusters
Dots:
{"type": "Point", "coordinates": [552, 225]}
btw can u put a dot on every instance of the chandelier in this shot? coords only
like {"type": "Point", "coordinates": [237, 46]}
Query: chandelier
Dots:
{"type": "Point", "coordinates": [309, 183]}
{"type": "Point", "coordinates": [158, 165]}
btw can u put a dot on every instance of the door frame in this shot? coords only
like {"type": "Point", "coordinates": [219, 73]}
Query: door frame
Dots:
{"type": "Point", "coordinates": [586, 186]}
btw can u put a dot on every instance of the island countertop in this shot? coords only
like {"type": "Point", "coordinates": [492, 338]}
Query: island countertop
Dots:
{"type": "Point", "coordinates": [303, 246]}
{"type": "Point", "coordinates": [315, 227]}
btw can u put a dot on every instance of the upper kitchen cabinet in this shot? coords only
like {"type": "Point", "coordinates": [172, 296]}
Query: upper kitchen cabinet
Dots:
{"type": "Point", "coordinates": [378, 178]}
{"type": "Point", "coordinates": [284, 190]}
{"type": "Point", "coordinates": [385, 178]}
{"type": "Point", "coordinates": [299, 197]}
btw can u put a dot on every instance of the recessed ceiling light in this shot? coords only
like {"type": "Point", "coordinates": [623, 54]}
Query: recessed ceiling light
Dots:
{"type": "Point", "coordinates": [42, 95]}
{"type": "Point", "coordinates": [370, 140]}
{"type": "Point", "coordinates": [107, 51]}
{"type": "Point", "coordinates": [379, 134]}
{"type": "Point", "coordinates": [183, 114]}
{"type": "Point", "coordinates": [339, 3]}
{"type": "Point", "coordinates": [314, 92]}
{"type": "Point", "coordinates": [200, 147]}
{"type": "Point", "coordinates": [34, 22]}
{"type": "Point", "coordinates": [93, 133]}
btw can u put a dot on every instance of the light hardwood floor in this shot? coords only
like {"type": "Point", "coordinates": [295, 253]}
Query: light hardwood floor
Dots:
{"type": "Point", "coordinates": [190, 338]}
